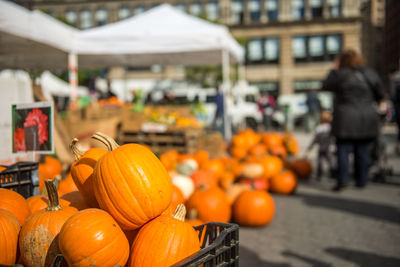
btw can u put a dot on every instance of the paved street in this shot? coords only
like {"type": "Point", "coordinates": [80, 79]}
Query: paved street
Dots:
{"type": "Point", "coordinates": [317, 227]}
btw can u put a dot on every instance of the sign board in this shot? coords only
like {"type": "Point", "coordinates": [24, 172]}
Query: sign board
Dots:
{"type": "Point", "coordinates": [33, 128]}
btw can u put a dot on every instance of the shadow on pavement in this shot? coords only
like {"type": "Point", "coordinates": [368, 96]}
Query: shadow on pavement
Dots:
{"type": "Point", "coordinates": [364, 258]}
{"type": "Point", "coordinates": [368, 209]}
{"type": "Point", "coordinates": [310, 261]}
{"type": "Point", "coordinates": [250, 259]}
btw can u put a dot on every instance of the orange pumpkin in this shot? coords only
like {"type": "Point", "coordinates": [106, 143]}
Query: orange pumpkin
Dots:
{"type": "Point", "coordinates": [201, 157]}
{"type": "Point", "coordinates": [41, 228]}
{"type": "Point", "coordinates": [284, 183]}
{"type": "Point", "coordinates": [272, 165]}
{"type": "Point", "coordinates": [258, 150]}
{"type": "Point", "coordinates": [92, 237]}
{"type": "Point", "coordinates": [212, 204]}
{"type": "Point", "coordinates": [291, 144]}
{"type": "Point", "coordinates": [169, 159]}
{"type": "Point", "coordinates": [67, 185]}
{"type": "Point", "coordinates": [49, 169]}
{"type": "Point", "coordinates": [14, 203]}
{"type": "Point", "coordinates": [238, 152]}
{"type": "Point", "coordinates": [192, 218]}
{"type": "Point", "coordinates": [37, 203]}
{"type": "Point", "coordinates": [215, 166]}
{"type": "Point", "coordinates": [177, 198]}
{"type": "Point", "coordinates": [170, 238]}
{"type": "Point", "coordinates": [272, 140]}
{"type": "Point", "coordinates": [203, 177]}
{"type": "Point", "coordinates": [253, 208]}
{"type": "Point", "coordinates": [82, 171]}
{"type": "Point", "coordinates": [9, 231]}
{"type": "Point", "coordinates": [278, 151]}
{"type": "Point", "coordinates": [131, 174]}
{"type": "Point", "coordinates": [226, 180]}
{"type": "Point", "coordinates": [74, 199]}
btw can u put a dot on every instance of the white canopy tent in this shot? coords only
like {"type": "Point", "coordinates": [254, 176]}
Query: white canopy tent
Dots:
{"type": "Point", "coordinates": [54, 86]}
{"type": "Point", "coordinates": [32, 39]}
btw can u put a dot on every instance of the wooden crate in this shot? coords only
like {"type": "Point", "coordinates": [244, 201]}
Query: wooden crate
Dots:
{"type": "Point", "coordinates": [182, 140]}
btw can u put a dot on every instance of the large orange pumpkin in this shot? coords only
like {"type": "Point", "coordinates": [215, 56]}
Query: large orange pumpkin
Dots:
{"type": "Point", "coordinates": [14, 203]}
{"type": "Point", "coordinates": [92, 237]}
{"type": "Point", "coordinates": [272, 165]}
{"type": "Point", "coordinates": [164, 241]}
{"type": "Point", "coordinates": [131, 183]}
{"type": "Point", "coordinates": [41, 228]}
{"type": "Point", "coordinates": [9, 231]}
{"type": "Point", "coordinates": [67, 185]}
{"type": "Point", "coordinates": [82, 171]}
{"type": "Point", "coordinates": [253, 208]}
{"type": "Point", "coordinates": [284, 183]}
{"type": "Point", "coordinates": [212, 205]}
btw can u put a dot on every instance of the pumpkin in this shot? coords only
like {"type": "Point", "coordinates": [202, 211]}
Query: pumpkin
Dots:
{"type": "Point", "coordinates": [215, 166]}
{"type": "Point", "coordinates": [253, 208]}
{"type": "Point", "coordinates": [184, 183]}
{"type": "Point", "coordinates": [131, 183]}
{"type": "Point", "coordinates": [169, 159]}
{"type": "Point", "coordinates": [2, 168]}
{"type": "Point", "coordinates": [251, 137]}
{"type": "Point", "coordinates": [164, 241]}
{"type": "Point", "coordinates": [82, 171]}
{"type": "Point", "coordinates": [240, 141]}
{"type": "Point", "coordinates": [301, 167]}
{"type": "Point", "coordinates": [9, 231]}
{"type": "Point", "coordinates": [258, 150]}
{"type": "Point", "coordinates": [92, 237]}
{"type": "Point", "coordinates": [212, 204]}
{"type": "Point", "coordinates": [201, 157]}
{"type": "Point", "coordinates": [284, 183]}
{"type": "Point", "coordinates": [238, 152]}
{"type": "Point", "coordinates": [252, 170]}
{"type": "Point", "coordinates": [203, 177]}
{"type": "Point", "coordinates": [74, 199]}
{"type": "Point", "coordinates": [272, 140]}
{"type": "Point", "coordinates": [226, 180]}
{"type": "Point", "coordinates": [40, 229]}
{"type": "Point", "coordinates": [193, 219]}
{"type": "Point", "coordinates": [177, 198]}
{"type": "Point", "coordinates": [278, 151]}
{"type": "Point", "coordinates": [14, 203]}
{"type": "Point", "coordinates": [37, 203]}
{"type": "Point", "coordinates": [272, 165]}
{"type": "Point", "coordinates": [187, 167]}
{"type": "Point", "coordinates": [67, 185]}
{"type": "Point", "coordinates": [234, 190]}
{"type": "Point", "coordinates": [291, 144]}
{"type": "Point", "coordinates": [49, 169]}
{"type": "Point", "coordinates": [258, 184]}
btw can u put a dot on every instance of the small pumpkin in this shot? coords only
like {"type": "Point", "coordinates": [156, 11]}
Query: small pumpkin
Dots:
{"type": "Point", "coordinates": [170, 238]}
{"type": "Point", "coordinates": [258, 150]}
{"type": "Point", "coordinates": [105, 244]}
{"type": "Point", "coordinates": [187, 167]}
{"type": "Point", "coordinates": [184, 183]}
{"type": "Point", "coordinates": [252, 170]}
{"type": "Point", "coordinates": [257, 184]}
{"type": "Point", "coordinates": [284, 183]}
{"type": "Point", "coordinates": [49, 169]}
{"type": "Point", "coordinates": [41, 228]}
{"type": "Point", "coordinates": [9, 231]}
{"type": "Point", "coordinates": [215, 166]}
{"type": "Point", "coordinates": [131, 174]}
{"type": "Point", "coordinates": [193, 219]}
{"type": "Point", "coordinates": [272, 165]}
{"type": "Point", "coordinates": [67, 185]}
{"type": "Point", "coordinates": [238, 152]}
{"type": "Point", "coordinates": [203, 177]}
{"type": "Point", "coordinates": [74, 199]}
{"type": "Point", "coordinates": [177, 198]}
{"type": "Point", "coordinates": [301, 167]}
{"type": "Point", "coordinates": [278, 151]}
{"type": "Point", "coordinates": [212, 204]}
{"type": "Point", "coordinates": [291, 144]}
{"type": "Point", "coordinates": [272, 140]}
{"type": "Point", "coordinates": [234, 190]}
{"type": "Point", "coordinates": [201, 157]}
{"type": "Point", "coordinates": [226, 180]}
{"type": "Point", "coordinates": [14, 203]}
{"type": "Point", "coordinates": [37, 203]}
{"type": "Point", "coordinates": [253, 208]}
{"type": "Point", "coordinates": [82, 171]}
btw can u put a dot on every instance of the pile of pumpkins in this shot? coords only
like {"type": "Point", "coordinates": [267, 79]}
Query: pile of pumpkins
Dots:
{"type": "Point", "coordinates": [124, 211]}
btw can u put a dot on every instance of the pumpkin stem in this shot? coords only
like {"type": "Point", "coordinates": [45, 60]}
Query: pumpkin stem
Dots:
{"type": "Point", "coordinates": [180, 212]}
{"type": "Point", "coordinates": [106, 140]}
{"type": "Point", "coordinates": [53, 196]}
{"type": "Point", "coordinates": [75, 150]}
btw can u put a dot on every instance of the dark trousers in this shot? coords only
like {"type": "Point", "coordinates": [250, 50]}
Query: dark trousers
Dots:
{"type": "Point", "coordinates": [361, 151]}
{"type": "Point", "coordinates": [323, 156]}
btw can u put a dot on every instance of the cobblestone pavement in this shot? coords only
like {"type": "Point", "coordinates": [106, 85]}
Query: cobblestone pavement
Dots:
{"type": "Point", "coordinates": [318, 227]}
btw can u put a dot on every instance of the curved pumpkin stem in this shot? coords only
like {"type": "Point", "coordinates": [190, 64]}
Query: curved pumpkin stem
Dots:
{"type": "Point", "coordinates": [180, 212]}
{"type": "Point", "coordinates": [106, 140]}
{"type": "Point", "coordinates": [53, 196]}
{"type": "Point", "coordinates": [75, 150]}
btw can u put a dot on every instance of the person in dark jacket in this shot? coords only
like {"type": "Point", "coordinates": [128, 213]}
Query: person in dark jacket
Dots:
{"type": "Point", "coordinates": [355, 123]}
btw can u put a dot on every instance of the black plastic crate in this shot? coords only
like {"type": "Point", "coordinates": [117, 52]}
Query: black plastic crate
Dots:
{"type": "Point", "coordinates": [219, 247]}
{"type": "Point", "coordinates": [22, 177]}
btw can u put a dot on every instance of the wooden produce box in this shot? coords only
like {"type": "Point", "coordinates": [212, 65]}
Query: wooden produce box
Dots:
{"type": "Point", "coordinates": [96, 112]}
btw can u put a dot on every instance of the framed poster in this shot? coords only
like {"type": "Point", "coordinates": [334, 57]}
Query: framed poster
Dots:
{"type": "Point", "coordinates": [33, 128]}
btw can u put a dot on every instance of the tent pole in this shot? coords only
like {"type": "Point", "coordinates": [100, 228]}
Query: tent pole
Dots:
{"type": "Point", "coordinates": [242, 73]}
{"type": "Point", "coordinates": [227, 94]}
{"type": "Point", "coordinates": [73, 74]}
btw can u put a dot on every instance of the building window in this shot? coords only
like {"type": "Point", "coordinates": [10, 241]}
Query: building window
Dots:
{"type": "Point", "coordinates": [335, 8]}
{"type": "Point", "coordinates": [272, 9]}
{"type": "Point", "coordinates": [316, 8]}
{"type": "Point", "coordinates": [86, 19]}
{"type": "Point", "coordinates": [298, 9]}
{"type": "Point", "coordinates": [139, 10]}
{"type": "Point", "coordinates": [196, 9]}
{"type": "Point", "coordinates": [316, 48]}
{"type": "Point", "coordinates": [101, 16]}
{"type": "Point", "coordinates": [181, 7]}
{"type": "Point", "coordinates": [124, 12]}
{"type": "Point", "coordinates": [254, 7]}
{"type": "Point", "coordinates": [271, 87]}
{"type": "Point", "coordinates": [237, 11]}
{"type": "Point", "coordinates": [212, 11]}
{"type": "Point", "coordinates": [71, 17]}
{"type": "Point", "coordinates": [306, 85]}
{"type": "Point", "coordinates": [263, 50]}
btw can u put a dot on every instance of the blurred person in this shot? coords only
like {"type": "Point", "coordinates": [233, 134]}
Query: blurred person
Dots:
{"type": "Point", "coordinates": [219, 120]}
{"type": "Point", "coordinates": [355, 124]}
{"type": "Point", "coordinates": [323, 139]}
{"type": "Point", "coordinates": [394, 79]}
{"type": "Point", "coordinates": [314, 111]}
